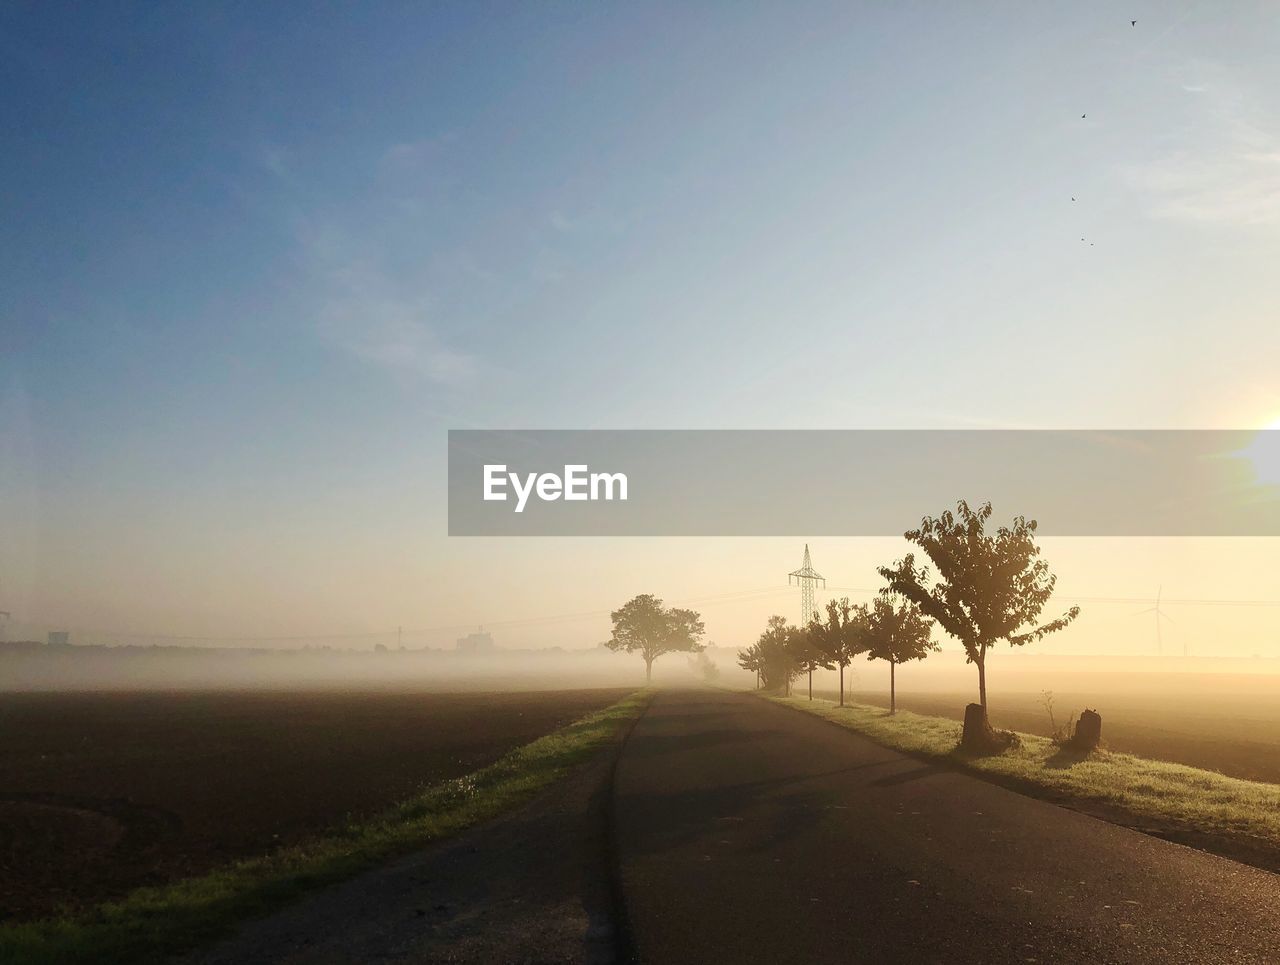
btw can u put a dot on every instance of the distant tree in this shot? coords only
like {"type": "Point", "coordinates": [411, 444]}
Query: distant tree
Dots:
{"type": "Point", "coordinates": [643, 625]}
{"type": "Point", "coordinates": [989, 587]}
{"type": "Point", "coordinates": [704, 667]}
{"type": "Point", "coordinates": [841, 636]}
{"type": "Point", "coordinates": [777, 661]}
{"type": "Point", "coordinates": [806, 656]}
{"type": "Point", "coordinates": [898, 632]}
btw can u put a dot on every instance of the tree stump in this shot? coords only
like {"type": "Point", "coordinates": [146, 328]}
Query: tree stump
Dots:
{"type": "Point", "coordinates": [1088, 733]}
{"type": "Point", "coordinates": [978, 737]}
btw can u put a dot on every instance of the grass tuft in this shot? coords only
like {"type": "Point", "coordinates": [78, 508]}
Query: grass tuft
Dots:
{"type": "Point", "coordinates": [153, 923]}
{"type": "Point", "coordinates": [1228, 815]}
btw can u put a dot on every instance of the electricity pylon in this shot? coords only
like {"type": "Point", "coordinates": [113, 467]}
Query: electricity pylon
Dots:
{"type": "Point", "coordinates": [806, 578]}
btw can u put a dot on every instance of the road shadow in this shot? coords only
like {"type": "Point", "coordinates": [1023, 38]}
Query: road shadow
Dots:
{"type": "Point", "coordinates": [687, 814]}
{"type": "Point", "coordinates": [926, 770]}
{"type": "Point", "coordinates": [653, 745]}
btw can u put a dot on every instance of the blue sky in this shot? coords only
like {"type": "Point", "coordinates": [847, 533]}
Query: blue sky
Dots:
{"type": "Point", "coordinates": [258, 258]}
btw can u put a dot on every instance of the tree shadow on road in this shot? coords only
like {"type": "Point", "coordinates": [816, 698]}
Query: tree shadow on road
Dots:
{"type": "Point", "coordinates": [926, 770]}
{"type": "Point", "coordinates": [658, 821]}
{"type": "Point", "coordinates": [654, 745]}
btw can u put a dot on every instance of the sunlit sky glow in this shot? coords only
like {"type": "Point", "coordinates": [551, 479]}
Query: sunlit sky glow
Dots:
{"type": "Point", "coordinates": [257, 263]}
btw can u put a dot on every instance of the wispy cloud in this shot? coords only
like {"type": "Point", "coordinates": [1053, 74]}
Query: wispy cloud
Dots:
{"type": "Point", "coordinates": [415, 154]}
{"type": "Point", "coordinates": [394, 334]}
{"type": "Point", "coordinates": [1225, 168]}
{"type": "Point", "coordinates": [276, 160]}
{"type": "Point", "coordinates": [365, 313]}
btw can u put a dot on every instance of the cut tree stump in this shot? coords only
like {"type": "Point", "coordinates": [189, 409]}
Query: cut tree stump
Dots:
{"type": "Point", "coordinates": [978, 736]}
{"type": "Point", "coordinates": [1088, 733]}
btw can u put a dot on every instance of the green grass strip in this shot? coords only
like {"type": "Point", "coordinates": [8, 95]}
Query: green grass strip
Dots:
{"type": "Point", "coordinates": [152, 923]}
{"type": "Point", "coordinates": [1225, 814]}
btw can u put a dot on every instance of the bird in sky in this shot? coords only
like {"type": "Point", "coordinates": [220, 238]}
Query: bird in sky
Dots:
{"type": "Point", "coordinates": [1073, 199]}
{"type": "Point", "coordinates": [1133, 23]}
{"type": "Point", "coordinates": [1084, 115]}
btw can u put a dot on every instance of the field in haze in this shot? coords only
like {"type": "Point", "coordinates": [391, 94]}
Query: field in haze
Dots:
{"type": "Point", "coordinates": [103, 792]}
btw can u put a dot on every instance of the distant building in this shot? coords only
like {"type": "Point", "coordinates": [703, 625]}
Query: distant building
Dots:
{"type": "Point", "coordinates": [59, 638]}
{"type": "Point", "coordinates": [478, 642]}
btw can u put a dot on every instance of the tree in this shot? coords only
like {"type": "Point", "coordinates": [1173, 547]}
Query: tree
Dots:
{"type": "Point", "coordinates": [704, 666]}
{"type": "Point", "coordinates": [750, 659]}
{"type": "Point", "coordinates": [841, 637]}
{"type": "Point", "coordinates": [806, 656]}
{"type": "Point", "coordinates": [989, 587]}
{"type": "Point", "coordinates": [898, 633]}
{"type": "Point", "coordinates": [645, 626]}
{"type": "Point", "coordinates": [774, 653]}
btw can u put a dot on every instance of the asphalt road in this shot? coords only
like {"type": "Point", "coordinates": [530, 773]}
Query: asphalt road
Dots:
{"type": "Point", "coordinates": [748, 832]}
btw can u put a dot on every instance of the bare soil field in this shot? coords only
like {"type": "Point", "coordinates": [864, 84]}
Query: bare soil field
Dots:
{"type": "Point", "coordinates": [103, 792]}
{"type": "Point", "coordinates": [1236, 734]}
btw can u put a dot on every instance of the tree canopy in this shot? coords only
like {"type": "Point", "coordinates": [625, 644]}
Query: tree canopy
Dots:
{"type": "Point", "coordinates": [840, 637]}
{"type": "Point", "coordinates": [897, 632]}
{"type": "Point", "coordinates": [643, 625]}
{"type": "Point", "coordinates": [773, 655]}
{"type": "Point", "coordinates": [990, 587]}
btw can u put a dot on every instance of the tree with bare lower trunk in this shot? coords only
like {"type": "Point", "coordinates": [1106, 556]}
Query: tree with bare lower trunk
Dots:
{"type": "Point", "coordinates": [841, 636]}
{"type": "Point", "coordinates": [990, 587]}
{"type": "Point", "coordinates": [899, 632]}
{"type": "Point", "coordinates": [808, 657]}
{"type": "Point", "coordinates": [643, 625]}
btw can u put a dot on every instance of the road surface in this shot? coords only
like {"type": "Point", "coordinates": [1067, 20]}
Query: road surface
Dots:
{"type": "Point", "coordinates": [749, 832]}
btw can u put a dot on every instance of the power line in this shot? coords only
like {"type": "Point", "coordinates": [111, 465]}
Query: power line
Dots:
{"type": "Point", "coordinates": [1165, 601]}
{"type": "Point", "coordinates": [737, 596]}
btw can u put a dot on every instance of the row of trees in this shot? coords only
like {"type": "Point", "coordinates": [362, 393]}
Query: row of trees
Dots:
{"type": "Point", "coordinates": [983, 588]}
{"type": "Point", "coordinates": [979, 587]}
{"type": "Point", "coordinates": [889, 629]}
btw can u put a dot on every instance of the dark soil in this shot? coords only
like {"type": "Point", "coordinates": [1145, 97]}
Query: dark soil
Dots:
{"type": "Point", "coordinates": [101, 793]}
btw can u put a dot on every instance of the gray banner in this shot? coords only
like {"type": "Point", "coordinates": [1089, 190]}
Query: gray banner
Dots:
{"type": "Point", "coordinates": [860, 482]}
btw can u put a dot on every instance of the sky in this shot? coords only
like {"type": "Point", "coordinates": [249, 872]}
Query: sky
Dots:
{"type": "Point", "coordinates": [259, 258]}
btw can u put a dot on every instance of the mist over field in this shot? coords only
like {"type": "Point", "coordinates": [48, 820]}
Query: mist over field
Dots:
{"type": "Point", "coordinates": [36, 666]}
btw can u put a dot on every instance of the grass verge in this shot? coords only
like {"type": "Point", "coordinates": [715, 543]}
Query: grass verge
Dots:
{"type": "Point", "coordinates": [152, 923]}
{"type": "Point", "coordinates": [1226, 815]}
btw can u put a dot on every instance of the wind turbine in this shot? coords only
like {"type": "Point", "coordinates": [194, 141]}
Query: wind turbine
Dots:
{"type": "Point", "coordinates": [1160, 615]}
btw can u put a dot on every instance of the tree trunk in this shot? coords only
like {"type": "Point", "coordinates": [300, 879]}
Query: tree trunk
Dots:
{"type": "Point", "coordinates": [648, 670]}
{"type": "Point", "coordinates": [811, 684]}
{"type": "Point", "coordinates": [841, 685]}
{"type": "Point", "coordinates": [893, 697]}
{"type": "Point", "coordinates": [982, 677]}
